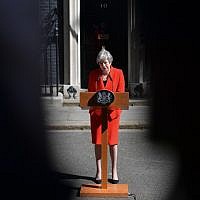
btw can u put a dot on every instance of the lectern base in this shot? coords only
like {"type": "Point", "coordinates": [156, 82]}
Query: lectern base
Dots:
{"type": "Point", "coordinates": [95, 190]}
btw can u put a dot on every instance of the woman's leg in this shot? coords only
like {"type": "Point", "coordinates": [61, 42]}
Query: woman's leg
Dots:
{"type": "Point", "coordinates": [98, 161]}
{"type": "Point", "coordinates": [113, 155]}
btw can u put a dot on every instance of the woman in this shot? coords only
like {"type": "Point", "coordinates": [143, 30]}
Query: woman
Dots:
{"type": "Point", "coordinates": [109, 78]}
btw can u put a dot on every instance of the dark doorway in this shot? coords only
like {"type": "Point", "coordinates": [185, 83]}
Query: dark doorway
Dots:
{"type": "Point", "coordinates": [103, 22]}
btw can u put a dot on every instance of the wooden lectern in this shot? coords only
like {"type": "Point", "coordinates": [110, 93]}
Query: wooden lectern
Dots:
{"type": "Point", "coordinates": [105, 100]}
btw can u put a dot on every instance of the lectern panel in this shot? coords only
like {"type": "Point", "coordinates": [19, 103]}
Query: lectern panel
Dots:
{"type": "Point", "coordinates": [88, 99]}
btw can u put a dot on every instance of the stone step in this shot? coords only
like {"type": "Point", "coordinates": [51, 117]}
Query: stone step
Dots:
{"type": "Point", "coordinates": [132, 102]}
{"type": "Point", "coordinates": [84, 125]}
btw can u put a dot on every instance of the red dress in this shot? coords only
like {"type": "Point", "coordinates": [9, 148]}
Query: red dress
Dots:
{"type": "Point", "coordinates": [115, 83]}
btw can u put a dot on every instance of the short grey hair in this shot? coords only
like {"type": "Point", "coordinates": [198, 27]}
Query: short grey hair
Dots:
{"type": "Point", "coordinates": [104, 55]}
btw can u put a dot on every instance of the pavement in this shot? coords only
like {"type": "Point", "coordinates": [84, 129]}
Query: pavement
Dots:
{"type": "Point", "coordinates": [67, 114]}
{"type": "Point", "coordinates": [150, 170]}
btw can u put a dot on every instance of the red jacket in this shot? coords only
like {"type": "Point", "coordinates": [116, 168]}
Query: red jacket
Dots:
{"type": "Point", "coordinates": [115, 83]}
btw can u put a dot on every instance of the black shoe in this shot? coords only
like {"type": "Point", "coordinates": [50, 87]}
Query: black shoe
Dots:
{"type": "Point", "coordinates": [97, 181]}
{"type": "Point", "coordinates": [114, 181]}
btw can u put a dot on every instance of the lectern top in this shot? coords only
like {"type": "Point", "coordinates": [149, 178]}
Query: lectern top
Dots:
{"type": "Point", "coordinates": [119, 100]}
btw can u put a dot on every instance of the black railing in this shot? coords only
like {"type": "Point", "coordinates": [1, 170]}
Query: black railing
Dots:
{"type": "Point", "coordinates": [49, 76]}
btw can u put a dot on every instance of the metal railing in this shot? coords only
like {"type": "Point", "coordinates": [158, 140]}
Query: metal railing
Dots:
{"type": "Point", "coordinates": [49, 73]}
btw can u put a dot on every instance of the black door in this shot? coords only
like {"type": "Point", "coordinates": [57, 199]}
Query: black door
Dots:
{"type": "Point", "coordinates": [103, 23]}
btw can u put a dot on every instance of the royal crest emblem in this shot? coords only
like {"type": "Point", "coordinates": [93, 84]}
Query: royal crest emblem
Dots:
{"type": "Point", "coordinates": [105, 97]}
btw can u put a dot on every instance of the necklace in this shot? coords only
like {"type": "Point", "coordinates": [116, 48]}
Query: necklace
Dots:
{"type": "Point", "coordinates": [104, 78]}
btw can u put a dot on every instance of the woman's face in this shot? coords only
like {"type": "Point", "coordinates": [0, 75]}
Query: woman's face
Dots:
{"type": "Point", "coordinates": [105, 66]}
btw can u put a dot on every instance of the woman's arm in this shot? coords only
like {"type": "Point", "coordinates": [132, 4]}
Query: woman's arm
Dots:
{"type": "Point", "coordinates": [91, 82]}
{"type": "Point", "coordinates": [121, 83]}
